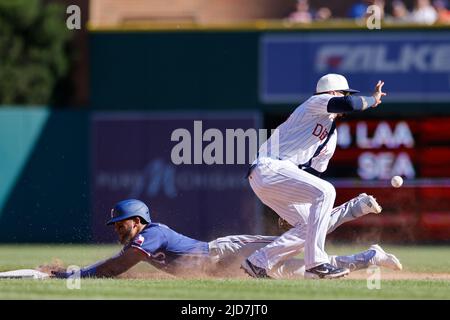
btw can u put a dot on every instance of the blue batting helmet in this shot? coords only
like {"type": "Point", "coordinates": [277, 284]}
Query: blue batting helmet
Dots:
{"type": "Point", "coordinates": [129, 208]}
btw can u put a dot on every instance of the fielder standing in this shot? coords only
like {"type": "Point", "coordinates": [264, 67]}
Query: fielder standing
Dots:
{"type": "Point", "coordinates": [286, 175]}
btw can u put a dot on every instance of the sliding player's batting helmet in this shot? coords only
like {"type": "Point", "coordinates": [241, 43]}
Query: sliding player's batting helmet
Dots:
{"type": "Point", "coordinates": [129, 208]}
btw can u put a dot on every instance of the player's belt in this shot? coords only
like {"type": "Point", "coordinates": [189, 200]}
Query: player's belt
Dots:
{"type": "Point", "coordinates": [253, 166]}
{"type": "Point", "coordinates": [306, 169]}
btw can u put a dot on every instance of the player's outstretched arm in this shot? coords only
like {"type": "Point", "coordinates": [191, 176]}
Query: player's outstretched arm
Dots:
{"type": "Point", "coordinates": [356, 103]}
{"type": "Point", "coordinates": [119, 264]}
{"type": "Point", "coordinates": [109, 268]}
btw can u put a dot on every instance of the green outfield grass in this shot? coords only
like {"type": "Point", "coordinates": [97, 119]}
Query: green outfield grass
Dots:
{"type": "Point", "coordinates": [423, 259]}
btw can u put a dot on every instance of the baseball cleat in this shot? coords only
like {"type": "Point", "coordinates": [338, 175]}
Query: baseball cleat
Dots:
{"type": "Point", "coordinates": [254, 271]}
{"type": "Point", "coordinates": [384, 259]}
{"type": "Point", "coordinates": [369, 204]}
{"type": "Point", "coordinates": [326, 271]}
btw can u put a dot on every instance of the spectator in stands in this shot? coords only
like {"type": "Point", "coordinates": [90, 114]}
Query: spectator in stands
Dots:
{"type": "Point", "coordinates": [322, 14]}
{"type": "Point", "coordinates": [424, 13]}
{"type": "Point", "coordinates": [399, 12]}
{"type": "Point", "coordinates": [302, 14]}
{"type": "Point", "coordinates": [441, 7]}
{"type": "Point", "coordinates": [358, 10]}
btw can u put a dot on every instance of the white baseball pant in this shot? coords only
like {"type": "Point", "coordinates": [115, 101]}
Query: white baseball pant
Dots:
{"type": "Point", "coordinates": [299, 198]}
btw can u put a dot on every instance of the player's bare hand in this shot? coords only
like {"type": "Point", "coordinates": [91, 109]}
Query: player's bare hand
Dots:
{"type": "Point", "coordinates": [55, 266]}
{"type": "Point", "coordinates": [378, 93]}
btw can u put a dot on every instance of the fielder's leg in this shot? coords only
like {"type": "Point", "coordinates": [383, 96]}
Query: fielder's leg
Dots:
{"type": "Point", "coordinates": [318, 219]}
{"type": "Point", "coordinates": [353, 209]}
{"type": "Point", "coordinates": [282, 186]}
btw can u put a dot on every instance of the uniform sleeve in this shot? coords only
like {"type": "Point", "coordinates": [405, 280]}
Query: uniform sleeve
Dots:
{"type": "Point", "coordinates": [349, 104]}
{"type": "Point", "coordinates": [149, 242]}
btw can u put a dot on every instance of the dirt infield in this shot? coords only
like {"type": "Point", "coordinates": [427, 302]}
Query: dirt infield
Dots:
{"type": "Point", "coordinates": [145, 271]}
{"type": "Point", "coordinates": [353, 276]}
{"type": "Point", "coordinates": [142, 273]}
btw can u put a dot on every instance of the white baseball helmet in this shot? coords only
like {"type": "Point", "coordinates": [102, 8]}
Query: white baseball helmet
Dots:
{"type": "Point", "coordinates": [333, 82]}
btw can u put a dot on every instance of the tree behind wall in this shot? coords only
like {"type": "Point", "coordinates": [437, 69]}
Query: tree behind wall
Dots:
{"type": "Point", "coordinates": [33, 51]}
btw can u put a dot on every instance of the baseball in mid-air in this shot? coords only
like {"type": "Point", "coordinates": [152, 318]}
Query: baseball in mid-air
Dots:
{"type": "Point", "coordinates": [397, 181]}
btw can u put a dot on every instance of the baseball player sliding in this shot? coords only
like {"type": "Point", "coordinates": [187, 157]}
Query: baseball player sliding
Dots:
{"type": "Point", "coordinates": [179, 255]}
{"type": "Point", "coordinates": [286, 177]}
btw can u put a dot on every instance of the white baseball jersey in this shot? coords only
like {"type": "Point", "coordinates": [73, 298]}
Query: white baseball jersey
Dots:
{"type": "Point", "coordinates": [298, 138]}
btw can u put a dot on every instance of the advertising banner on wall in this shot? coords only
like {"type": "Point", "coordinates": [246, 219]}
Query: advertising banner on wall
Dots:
{"type": "Point", "coordinates": [370, 152]}
{"type": "Point", "coordinates": [186, 167]}
{"type": "Point", "coordinates": [414, 65]}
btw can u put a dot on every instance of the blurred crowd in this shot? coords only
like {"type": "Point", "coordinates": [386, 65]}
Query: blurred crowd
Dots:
{"type": "Point", "coordinates": [425, 12]}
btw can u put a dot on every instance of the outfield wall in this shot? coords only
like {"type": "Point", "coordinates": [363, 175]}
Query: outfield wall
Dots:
{"type": "Point", "coordinates": [63, 171]}
{"type": "Point", "coordinates": [44, 193]}
{"type": "Point", "coordinates": [134, 155]}
{"type": "Point", "coordinates": [266, 69]}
